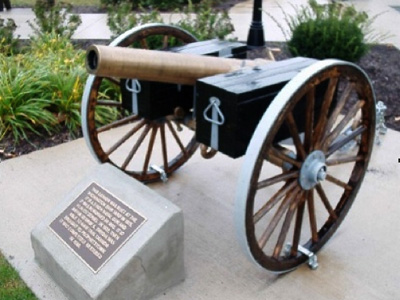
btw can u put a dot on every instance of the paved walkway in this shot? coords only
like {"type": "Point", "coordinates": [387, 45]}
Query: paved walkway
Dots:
{"type": "Point", "coordinates": [94, 26]}
{"type": "Point", "coordinates": [361, 260]}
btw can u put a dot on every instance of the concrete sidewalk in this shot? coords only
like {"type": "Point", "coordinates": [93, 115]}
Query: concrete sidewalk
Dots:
{"type": "Point", "coordinates": [94, 26]}
{"type": "Point", "coordinates": [359, 262]}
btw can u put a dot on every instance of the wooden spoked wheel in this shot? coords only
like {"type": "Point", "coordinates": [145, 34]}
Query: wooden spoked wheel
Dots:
{"type": "Point", "coordinates": [126, 140]}
{"type": "Point", "coordinates": [305, 164]}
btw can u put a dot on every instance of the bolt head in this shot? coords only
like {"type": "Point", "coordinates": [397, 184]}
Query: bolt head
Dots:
{"type": "Point", "coordinates": [321, 174]}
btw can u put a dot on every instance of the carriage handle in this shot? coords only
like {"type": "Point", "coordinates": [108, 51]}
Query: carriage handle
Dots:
{"type": "Point", "coordinates": [135, 89]}
{"type": "Point", "coordinates": [216, 112]}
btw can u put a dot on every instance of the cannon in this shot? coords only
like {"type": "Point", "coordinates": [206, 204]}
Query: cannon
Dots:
{"type": "Point", "coordinates": [305, 128]}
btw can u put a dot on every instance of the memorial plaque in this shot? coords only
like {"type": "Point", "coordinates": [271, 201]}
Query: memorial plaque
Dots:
{"type": "Point", "coordinates": [95, 225]}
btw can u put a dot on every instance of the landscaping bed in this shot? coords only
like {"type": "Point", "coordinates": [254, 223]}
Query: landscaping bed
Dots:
{"type": "Point", "coordinates": [382, 64]}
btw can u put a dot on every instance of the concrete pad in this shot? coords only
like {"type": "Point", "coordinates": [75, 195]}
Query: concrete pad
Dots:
{"type": "Point", "coordinates": [359, 262]}
{"type": "Point", "coordinates": [94, 26]}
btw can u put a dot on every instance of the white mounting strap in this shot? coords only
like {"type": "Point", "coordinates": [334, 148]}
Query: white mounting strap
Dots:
{"type": "Point", "coordinates": [217, 119]}
{"type": "Point", "coordinates": [163, 175]}
{"type": "Point", "coordinates": [312, 257]}
{"type": "Point", "coordinates": [135, 88]}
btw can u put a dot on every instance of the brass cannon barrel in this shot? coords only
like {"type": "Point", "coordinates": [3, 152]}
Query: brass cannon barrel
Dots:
{"type": "Point", "coordinates": [161, 66]}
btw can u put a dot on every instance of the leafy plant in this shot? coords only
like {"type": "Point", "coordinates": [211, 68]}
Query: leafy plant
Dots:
{"type": "Point", "coordinates": [21, 107]}
{"type": "Point", "coordinates": [8, 44]}
{"type": "Point", "coordinates": [54, 17]}
{"type": "Point", "coordinates": [121, 18]}
{"type": "Point", "coordinates": [150, 4]}
{"type": "Point", "coordinates": [204, 22]}
{"type": "Point", "coordinates": [201, 20]}
{"type": "Point", "coordinates": [65, 77]}
{"type": "Point", "coordinates": [42, 88]}
{"type": "Point", "coordinates": [333, 30]}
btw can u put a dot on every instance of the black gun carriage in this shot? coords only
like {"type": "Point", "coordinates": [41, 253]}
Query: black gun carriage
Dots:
{"type": "Point", "coordinates": [305, 128]}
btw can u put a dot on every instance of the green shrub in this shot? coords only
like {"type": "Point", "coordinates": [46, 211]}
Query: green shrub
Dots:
{"type": "Point", "coordinates": [54, 17]}
{"type": "Point", "coordinates": [42, 88]}
{"type": "Point", "coordinates": [201, 20]}
{"type": "Point", "coordinates": [22, 108]}
{"type": "Point", "coordinates": [121, 18]}
{"type": "Point", "coordinates": [66, 98]}
{"type": "Point", "coordinates": [151, 4]}
{"type": "Point", "coordinates": [333, 30]}
{"type": "Point", "coordinates": [204, 22]}
{"type": "Point", "coordinates": [8, 44]}
{"type": "Point", "coordinates": [65, 76]}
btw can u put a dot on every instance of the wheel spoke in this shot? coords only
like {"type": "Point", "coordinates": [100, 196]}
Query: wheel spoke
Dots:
{"type": "Point", "coordinates": [286, 224]}
{"type": "Point", "coordinates": [325, 201]}
{"type": "Point", "coordinates": [312, 216]}
{"type": "Point", "coordinates": [113, 103]}
{"type": "Point", "coordinates": [323, 118]}
{"type": "Point", "coordinates": [295, 135]}
{"type": "Point", "coordinates": [308, 131]}
{"type": "Point", "coordinates": [342, 124]}
{"type": "Point", "coordinates": [286, 189]}
{"type": "Point", "coordinates": [136, 147]}
{"type": "Point", "coordinates": [165, 42]}
{"type": "Point", "coordinates": [339, 106]}
{"type": "Point", "coordinates": [274, 152]}
{"type": "Point", "coordinates": [150, 149]}
{"type": "Point", "coordinates": [164, 147]}
{"type": "Point", "coordinates": [126, 137]}
{"type": "Point", "coordinates": [118, 123]}
{"type": "Point", "coordinates": [176, 137]}
{"type": "Point", "coordinates": [277, 217]}
{"type": "Point", "coordinates": [339, 144]}
{"type": "Point", "coordinates": [338, 182]}
{"type": "Point", "coordinates": [298, 225]}
{"type": "Point", "coordinates": [277, 178]}
{"type": "Point", "coordinates": [143, 43]}
{"type": "Point", "coordinates": [344, 160]}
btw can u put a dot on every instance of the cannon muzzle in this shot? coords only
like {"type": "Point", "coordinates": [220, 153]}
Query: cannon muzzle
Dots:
{"type": "Point", "coordinates": [161, 66]}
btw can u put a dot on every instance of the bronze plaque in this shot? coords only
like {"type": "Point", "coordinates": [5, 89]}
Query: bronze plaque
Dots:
{"type": "Point", "coordinates": [95, 225]}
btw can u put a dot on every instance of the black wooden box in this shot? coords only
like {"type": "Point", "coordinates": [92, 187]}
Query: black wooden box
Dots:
{"type": "Point", "coordinates": [156, 99]}
{"type": "Point", "coordinates": [243, 97]}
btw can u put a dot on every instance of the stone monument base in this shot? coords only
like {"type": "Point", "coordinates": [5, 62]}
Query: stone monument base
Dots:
{"type": "Point", "coordinates": [111, 238]}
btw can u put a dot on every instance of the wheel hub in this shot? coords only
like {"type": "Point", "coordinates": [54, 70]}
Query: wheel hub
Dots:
{"type": "Point", "coordinates": [313, 170]}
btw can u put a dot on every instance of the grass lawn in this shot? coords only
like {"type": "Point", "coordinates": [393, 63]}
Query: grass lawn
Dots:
{"type": "Point", "coordinates": [11, 286]}
{"type": "Point", "coordinates": [31, 3]}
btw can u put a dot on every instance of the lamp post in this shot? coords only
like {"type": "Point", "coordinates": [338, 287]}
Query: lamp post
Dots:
{"type": "Point", "coordinates": [255, 38]}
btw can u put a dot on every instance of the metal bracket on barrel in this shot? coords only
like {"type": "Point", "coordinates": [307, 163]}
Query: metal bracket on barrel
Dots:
{"type": "Point", "coordinates": [135, 88]}
{"type": "Point", "coordinates": [312, 257]}
{"type": "Point", "coordinates": [217, 119]}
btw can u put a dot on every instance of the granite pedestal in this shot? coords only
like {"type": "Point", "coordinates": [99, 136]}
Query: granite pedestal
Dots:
{"type": "Point", "coordinates": [111, 238]}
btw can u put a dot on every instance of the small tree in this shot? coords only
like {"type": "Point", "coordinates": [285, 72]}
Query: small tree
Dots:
{"type": "Point", "coordinates": [54, 17]}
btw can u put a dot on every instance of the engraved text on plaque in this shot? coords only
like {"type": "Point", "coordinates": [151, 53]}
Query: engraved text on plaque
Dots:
{"type": "Point", "coordinates": [95, 225]}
